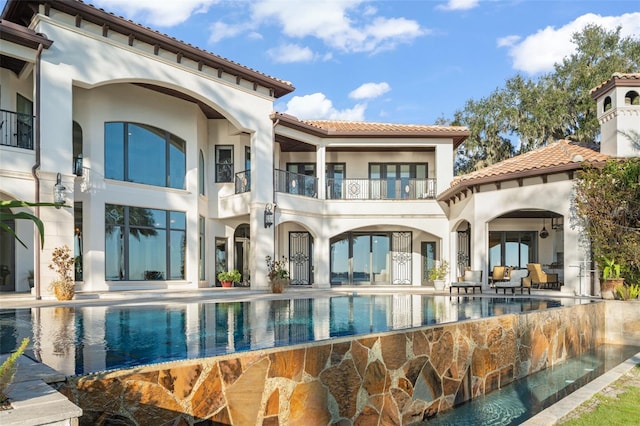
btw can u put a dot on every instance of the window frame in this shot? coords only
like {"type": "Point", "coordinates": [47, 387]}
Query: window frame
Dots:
{"type": "Point", "coordinates": [220, 178]}
{"type": "Point", "coordinates": [123, 151]}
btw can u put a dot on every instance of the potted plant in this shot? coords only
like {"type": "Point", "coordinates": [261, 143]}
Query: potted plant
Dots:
{"type": "Point", "coordinates": [610, 278]}
{"type": "Point", "coordinates": [62, 262]}
{"type": "Point", "coordinates": [438, 274]}
{"type": "Point", "coordinates": [277, 273]}
{"type": "Point", "coordinates": [30, 278]}
{"type": "Point", "coordinates": [229, 277]}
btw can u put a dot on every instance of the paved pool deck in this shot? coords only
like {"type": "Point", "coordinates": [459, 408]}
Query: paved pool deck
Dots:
{"type": "Point", "coordinates": [549, 416]}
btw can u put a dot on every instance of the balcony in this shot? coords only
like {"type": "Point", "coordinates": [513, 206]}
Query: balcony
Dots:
{"type": "Point", "coordinates": [295, 183]}
{"type": "Point", "coordinates": [381, 189]}
{"type": "Point", "coordinates": [243, 181]}
{"type": "Point", "coordinates": [346, 189]}
{"type": "Point", "coordinates": [16, 129]}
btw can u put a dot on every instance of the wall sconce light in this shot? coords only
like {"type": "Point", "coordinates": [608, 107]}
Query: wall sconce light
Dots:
{"type": "Point", "coordinates": [268, 215]}
{"type": "Point", "coordinates": [58, 191]}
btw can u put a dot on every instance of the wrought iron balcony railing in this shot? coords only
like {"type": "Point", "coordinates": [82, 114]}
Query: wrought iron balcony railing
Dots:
{"type": "Point", "coordinates": [295, 183]}
{"type": "Point", "coordinates": [243, 181]}
{"type": "Point", "coordinates": [381, 189]}
{"type": "Point", "coordinates": [16, 129]}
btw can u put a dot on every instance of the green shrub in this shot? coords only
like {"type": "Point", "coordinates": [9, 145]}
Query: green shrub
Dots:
{"type": "Point", "coordinates": [8, 368]}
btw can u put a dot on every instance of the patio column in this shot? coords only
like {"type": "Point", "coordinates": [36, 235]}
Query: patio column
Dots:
{"type": "Point", "coordinates": [321, 263]}
{"type": "Point", "coordinates": [321, 155]}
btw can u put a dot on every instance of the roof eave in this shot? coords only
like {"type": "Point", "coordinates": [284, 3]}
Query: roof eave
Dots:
{"type": "Point", "coordinates": [294, 123]}
{"type": "Point", "coordinates": [97, 16]}
{"type": "Point", "coordinates": [467, 184]}
{"type": "Point", "coordinates": [12, 32]}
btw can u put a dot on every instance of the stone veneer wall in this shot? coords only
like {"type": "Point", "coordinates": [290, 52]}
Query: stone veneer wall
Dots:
{"type": "Point", "coordinates": [389, 378]}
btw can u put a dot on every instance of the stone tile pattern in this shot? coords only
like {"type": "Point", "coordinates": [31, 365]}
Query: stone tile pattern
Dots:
{"type": "Point", "coordinates": [392, 378]}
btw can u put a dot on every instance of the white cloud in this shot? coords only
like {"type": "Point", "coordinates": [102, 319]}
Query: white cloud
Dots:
{"type": "Point", "coordinates": [220, 30]}
{"type": "Point", "coordinates": [538, 52]}
{"type": "Point", "coordinates": [508, 41]}
{"type": "Point", "coordinates": [154, 12]}
{"type": "Point", "coordinates": [370, 91]}
{"type": "Point", "coordinates": [459, 5]}
{"type": "Point", "coordinates": [288, 53]}
{"type": "Point", "coordinates": [317, 107]}
{"type": "Point", "coordinates": [340, 24]}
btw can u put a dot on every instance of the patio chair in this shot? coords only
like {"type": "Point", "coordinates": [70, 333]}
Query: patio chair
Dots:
{"type": "Point", "coordinates": [499, 274]}
{"type": "Point", "coordinates": [541, 279]}
{"type": "Point", "coordinates": [470, 280]}
{"type": "Point", "coordinates": [518, 279]}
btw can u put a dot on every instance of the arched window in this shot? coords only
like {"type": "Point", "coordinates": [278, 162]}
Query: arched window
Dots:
{"type": "Point", "coordinates": [632, 98]}
{"type": "Point", "coordinates": [201, 174]}
{"type": "Point", "coordinates": [607, 103]}
{"type": "Point", "coordinates": [77, 149]}
{"type": "Point", "coordinates": [144, 154]}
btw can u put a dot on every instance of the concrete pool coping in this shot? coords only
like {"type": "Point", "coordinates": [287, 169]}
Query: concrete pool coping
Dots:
{"type": "Point", "coordinates": [548, 416]}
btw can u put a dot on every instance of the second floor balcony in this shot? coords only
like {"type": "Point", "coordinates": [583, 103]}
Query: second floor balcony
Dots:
{"type": "Point", "coordinates": [16, 129]}
{"type": "Point", "coordinates": [346, 188]}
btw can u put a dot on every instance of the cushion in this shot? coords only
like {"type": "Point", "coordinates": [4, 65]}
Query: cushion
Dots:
{"type": "Point", "coordinates": [472, 276]}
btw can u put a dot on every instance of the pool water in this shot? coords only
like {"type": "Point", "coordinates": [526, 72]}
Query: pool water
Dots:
{"type": "Point", "coordinates": [524, 398]}
{"type": "Point", "coordinates": [81, 340]}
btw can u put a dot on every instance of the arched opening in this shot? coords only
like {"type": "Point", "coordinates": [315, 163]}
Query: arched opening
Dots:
{"type": "Point", "coordinates": [632, 98]}
{"type": "Point", "coordinates": [607, 103]}
{"type": "Point", "coordinates": [371, 257]}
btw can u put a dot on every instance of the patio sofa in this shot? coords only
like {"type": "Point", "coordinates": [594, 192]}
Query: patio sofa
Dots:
{"type": "Point", "coordinates": [470, 280]}
{"type": "Point", "coordinates": [518, 279]}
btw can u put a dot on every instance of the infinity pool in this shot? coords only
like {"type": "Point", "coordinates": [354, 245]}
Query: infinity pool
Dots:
{"type": "Point", "coordinates": [81, 340]}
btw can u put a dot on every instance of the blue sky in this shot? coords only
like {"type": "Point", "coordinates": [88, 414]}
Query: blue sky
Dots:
{"type": "Point", "coordinates": [384, 61]}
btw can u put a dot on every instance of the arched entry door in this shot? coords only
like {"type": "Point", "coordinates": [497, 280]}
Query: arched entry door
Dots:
{"type": "Point", "coordinates": [242, 244]}
{"type": "Point", "coordinates": [7, 258]}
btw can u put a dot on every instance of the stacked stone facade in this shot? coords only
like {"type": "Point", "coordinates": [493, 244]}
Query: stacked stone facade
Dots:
{"type": "Point", "coordinates": [389, 378]}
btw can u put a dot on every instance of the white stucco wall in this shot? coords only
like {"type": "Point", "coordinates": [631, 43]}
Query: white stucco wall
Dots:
{"type": "Point", "coordinates": [481, 210]}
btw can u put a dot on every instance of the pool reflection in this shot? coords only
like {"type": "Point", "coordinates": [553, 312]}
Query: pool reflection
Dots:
{"type": "Point", "coordinates": [89, 339]}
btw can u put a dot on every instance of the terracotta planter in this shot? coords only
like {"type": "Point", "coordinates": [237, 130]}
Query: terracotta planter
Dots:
{"type": "Point", "coordinates": [63, 293]}
{"type": "Point", "coordinates": [278, 284]}
{"type": "Point", "coordinates": [608, 287]}
{"type": "Point", "coordinates": [226, 283]}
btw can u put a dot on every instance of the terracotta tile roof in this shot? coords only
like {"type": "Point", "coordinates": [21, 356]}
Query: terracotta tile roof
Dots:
{"type": "Point", "coordinates": [365, 126]}
{"type": "Point", "coordinates": [563, 155]}
{"type": "Point", "coordinates": [363, 129]}
{"type": "Point", "coordinates": [617, 79]}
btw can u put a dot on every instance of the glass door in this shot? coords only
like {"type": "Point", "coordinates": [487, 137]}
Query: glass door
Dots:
{"type": "Point", "coordinates": [361, 259]}
{"type": "Point", "coordinates": [380, 250]}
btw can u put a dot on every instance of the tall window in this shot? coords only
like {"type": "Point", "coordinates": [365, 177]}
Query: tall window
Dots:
{"type": "Point", "coordinates": [144, 244]}
{"type": "Point", "coordinates": [24, 108]}
{"type": "Point", "coordinates": [77, 149]}
{"type": "Point", "coordinates": [201, 180]}
{"type": "Point", "coordinates": [224, 163]}
{"type": "Point", "coordinates": [77, 240]}
{"type": "Point", "coordinates": [201, 263]}
{"type": "Point", "coordinates": [144, 154]}
{"type": "Point", "coordinates": [512, 248]}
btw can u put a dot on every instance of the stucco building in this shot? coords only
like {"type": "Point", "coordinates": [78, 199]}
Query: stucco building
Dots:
{"type": "Point", "coordinates": [174, 166]}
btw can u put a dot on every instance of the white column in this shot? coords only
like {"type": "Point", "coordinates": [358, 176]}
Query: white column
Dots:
{"type": "Point", "coordinates": [321, 167]}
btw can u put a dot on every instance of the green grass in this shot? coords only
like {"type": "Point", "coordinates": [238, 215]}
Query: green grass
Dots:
{"type": "Point", "coordinates": [619, 411]}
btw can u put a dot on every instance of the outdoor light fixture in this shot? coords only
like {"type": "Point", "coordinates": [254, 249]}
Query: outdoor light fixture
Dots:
{"type": "Point", "coordinates": [544, 233]}
{"type": "Point", "coordinates": [58, 191]}
{"type": "Point", "coordinates": [268, 215]}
